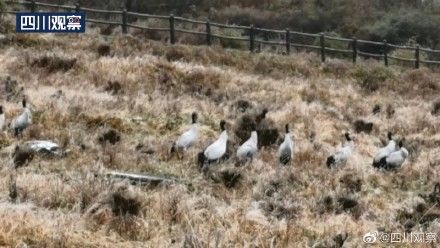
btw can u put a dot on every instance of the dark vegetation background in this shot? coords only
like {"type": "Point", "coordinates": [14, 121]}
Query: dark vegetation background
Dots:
{"type": "Point", "coordinates": [397, 21]}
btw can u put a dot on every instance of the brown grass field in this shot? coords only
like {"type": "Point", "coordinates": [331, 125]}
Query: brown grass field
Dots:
{"type": "Point", "coordinates": [67, 202]}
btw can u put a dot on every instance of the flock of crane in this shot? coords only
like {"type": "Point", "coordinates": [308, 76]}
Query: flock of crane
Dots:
{"type": "Point", "coordinates": [390, 157]}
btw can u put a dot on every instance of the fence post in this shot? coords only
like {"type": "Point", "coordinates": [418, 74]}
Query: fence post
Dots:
{"type": "Point", "coordinates": [33, 6]}
{"type": "Point", "coordinates": [208, 33]}
{"type": "Point", "coordinates": [172, 31]}
{"type": "Point", "coordinates": [287, 41]}
{"type": "Point", "coordinates": [251, 38]}
{"type": "Point", "coordinates": [354, 44]}
{"type": "Point", "coordinates": [124, 21]}
{"type": "Point", "coordinates": [385, 52]}
{"type": "Point", "coordinates": [77, 7]}
{"type": "Point", "coordinates": [322, 42]}
{"type": "Point", "coordinates": [417, 56]}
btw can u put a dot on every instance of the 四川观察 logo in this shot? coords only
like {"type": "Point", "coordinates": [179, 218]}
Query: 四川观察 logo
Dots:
{"type": "Point", "coordinates": [51, 22]}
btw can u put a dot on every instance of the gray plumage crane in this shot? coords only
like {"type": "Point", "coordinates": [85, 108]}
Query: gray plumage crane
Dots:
{"type": "Point", "coordinates": [286, 148]}
{"type": "Point", "coordinates": [22, 121]}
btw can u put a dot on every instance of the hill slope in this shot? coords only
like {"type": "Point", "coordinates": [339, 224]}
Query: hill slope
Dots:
{"type": "Point", "coordinates": [64, 202]}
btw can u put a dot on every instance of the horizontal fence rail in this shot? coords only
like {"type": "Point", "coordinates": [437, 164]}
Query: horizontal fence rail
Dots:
{"type": "Point", "coordinates": [254, 36]}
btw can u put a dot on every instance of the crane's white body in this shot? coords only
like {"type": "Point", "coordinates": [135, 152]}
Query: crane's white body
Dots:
{"type": "Point", "coordinates": [22, 121]}
{"type": "Point", "coordinates": [396, 159]}
{"type": "Point", "coordinates": [217, 149]}
{"type": "Point", "coordinates": [188, 138]}
{"type": "Point", "coordinates": [2, 121]}
{"type": "Point", "coordinates": [385, 151]}
{"type": "Point", "coordinates": [249, 148]}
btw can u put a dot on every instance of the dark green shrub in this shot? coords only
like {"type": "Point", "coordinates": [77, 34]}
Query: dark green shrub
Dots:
{"type": "Point", "coordinates": [2, 5]}
{"type": "Point", "coordinates": [2, 8]}
{"type": "Point", "coordinates": [399, 26]}
{"type": "Point", "coordinates": [394, 20]}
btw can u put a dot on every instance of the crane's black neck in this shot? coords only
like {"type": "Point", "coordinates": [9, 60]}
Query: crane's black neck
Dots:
{"type": "Point", "coordinates": [194, 118]}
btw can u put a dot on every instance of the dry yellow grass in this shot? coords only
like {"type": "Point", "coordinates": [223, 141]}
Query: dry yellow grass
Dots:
{"type": "Point", "coordinates": [161, 85]}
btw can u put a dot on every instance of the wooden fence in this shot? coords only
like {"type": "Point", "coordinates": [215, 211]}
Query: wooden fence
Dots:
{"type": "Point", "coordinates": [250, 35]}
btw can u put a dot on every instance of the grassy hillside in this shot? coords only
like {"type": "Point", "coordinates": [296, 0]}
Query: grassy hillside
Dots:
{"type": "Point", "coordinates": [146, 91]}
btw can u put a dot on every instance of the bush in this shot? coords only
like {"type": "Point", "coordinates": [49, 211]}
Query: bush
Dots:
{"type": "Point", "coordinates": [339, 68]}
{"type": "Point", "coordinates": [103, 50]}
{"type": "Point", "coordinates": [335, 44]}
{"type": "Point", "coordinates": [402, 25]}
{"type": "Point", "coordinates": [191, 38]}
{"type": "Point", "coordinates": [26, 40]}
{"type": "Point", "coordinates": [407, 54]}
{"type": "Point", "coordinates": [371, 79]}
{"type": "Point", "coordinates": [420, 80]}
{"type": "Point", "coordinates": [152, 34]}
{"type": "Point", "coordinates": [109, 136]}
{"type": "Point", "coordinates": [176, 53]}
{"type": "Point", "coordinates": [54, 63]}
{"type": "Point", "coordinates": [228, 43]}
{"type": "Point", "coordinates": [394, 21]}
{"type": "Point", "coordinates": [2, 6]}
{"type": "Point", "coordinates": [242, 16]}
{"type": "Point", "coordinates": [107, 29]}
{"type": "Point", "coordinates": [436, 108]}
{"type": "Point", "coordinates": [201, 82]}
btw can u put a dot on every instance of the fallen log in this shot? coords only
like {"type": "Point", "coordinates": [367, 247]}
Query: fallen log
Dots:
{"type": "Point", "coordinates": [141, 179]}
